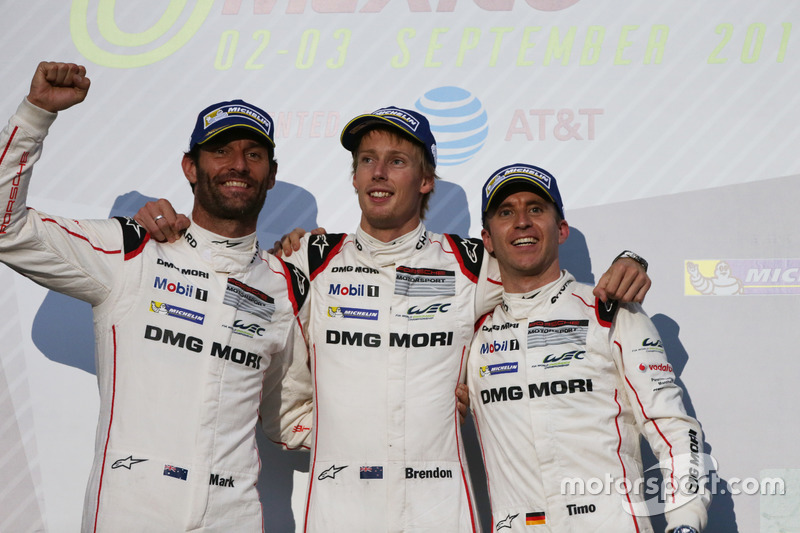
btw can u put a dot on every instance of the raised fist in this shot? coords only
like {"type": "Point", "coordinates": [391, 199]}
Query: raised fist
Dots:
{"type": "Point", "coordinates": [58, 86]}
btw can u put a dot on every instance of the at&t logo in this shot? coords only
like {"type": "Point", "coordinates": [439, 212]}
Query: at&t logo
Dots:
{"type": "Point", "coordinates": [458, 121]}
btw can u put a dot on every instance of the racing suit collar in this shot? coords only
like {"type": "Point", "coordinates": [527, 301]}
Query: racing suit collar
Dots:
{"type": "Point", "coordinates": [224, 254]}
{"type": "Point", "coordinates": [398, 250]}
{"type": "Point", "coordinates": [521, 306]}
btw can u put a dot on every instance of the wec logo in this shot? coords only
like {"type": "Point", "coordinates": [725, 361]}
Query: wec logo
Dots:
{"type": "Point", "coordinates": [431, 309]}
{"type": "Point", "coordinates": [249, 330]}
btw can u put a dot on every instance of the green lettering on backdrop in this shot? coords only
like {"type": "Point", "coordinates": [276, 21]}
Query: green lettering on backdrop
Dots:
{"type": "Point", "coordinates": [109, 30]}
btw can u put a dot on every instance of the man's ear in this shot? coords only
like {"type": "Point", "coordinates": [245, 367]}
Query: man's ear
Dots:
{"type": "Point", "coordinates": [190, 169]}
{"type": "Point", "coordinates": [273, 172]}
{"type": "Point", "coordinates": [487, 240]}
{"type": "Point", "coordinates": [428, 183]}
{"type": "Point", "coordinates": [563, 231]}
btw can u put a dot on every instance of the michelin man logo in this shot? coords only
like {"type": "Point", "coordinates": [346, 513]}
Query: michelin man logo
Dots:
{"type": "Point", "coordinates": [145, 48]}
{"type": "Point", "coordinates": [722, 283]}
{"type": "Point", "coordinates": [213, 117]}
{"type": "Point", "coordinates": [458, 121]}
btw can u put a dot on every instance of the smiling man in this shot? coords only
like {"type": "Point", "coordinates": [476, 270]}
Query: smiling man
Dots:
{"type": "Point", "coordinates": [392, 309]}
{"type": "Point", "coordinates": [187, 335]}
{"type": "Point", "coordinates": [388, 452]}
{"type": "Point", "coordinates": [562, 385]}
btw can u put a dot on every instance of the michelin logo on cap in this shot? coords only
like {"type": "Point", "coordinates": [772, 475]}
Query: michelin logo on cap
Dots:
{"type": "Point", "coordinates": [213, 117]}
{"type": "Point", "coordinates": [223, 116]}
{"type": "Point", "coordinates": [220, 113]}
{"type": "Point", "coordinates": [413, 123]}
{"type": "Point", "coordinates": [516, 171]}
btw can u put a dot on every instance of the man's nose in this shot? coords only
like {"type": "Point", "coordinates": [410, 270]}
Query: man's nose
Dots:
{"type": "Point", "coordinates": [523, 219]}
{"type": "Point", "coordinates": [379, 170]}
{"type": "Point", "coordinates": [238, 161]}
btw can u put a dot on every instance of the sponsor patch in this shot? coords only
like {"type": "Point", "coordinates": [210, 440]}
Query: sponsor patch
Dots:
{"type": "Point", "coordinates": [410, 121]}
{"type": "Point", "coordinates": [357, 269]}
{"type": "Point", "coordinates": [175, 471]}
{"type": "Point", "coordinates": [424, 282]}
{"type": "Point", "coordinates": [500, 327]}
{"type": "Point", "coordinates": [494, 346]}
{"type": "Point", "coordinates": [249, 299]}
{"type": "Point", "coordinates": [427, 312]}
{"type": "Point", "coordinates": [353, 312]}
{"type": "Point", "coordinates": [502, 368]}
{"type": "Point", "coordinates": [184, 271]}
{"type": "Point", "coordinates": [370, 472]}
{"type": "Point", "coordinates": [402, 340]}
{"type": "Point", "coordinates": [337, 289]}
{"type": "Point", "coordinates": [659, 367]}
{"type": "Point", "coordinates": [554, 361]}
{"type": "Point", "coordinates": [247, 330]}
{"type": "Point", "coordinates": [650, 345]}
{"type": "Point", "coordinates": [183, 289]}
{"type": "Point", "coordinates": [162, 308]}
{"type": "Point", "coordinates": [536, 390]}
{"type": "Point", "coordinates": [554, 332]}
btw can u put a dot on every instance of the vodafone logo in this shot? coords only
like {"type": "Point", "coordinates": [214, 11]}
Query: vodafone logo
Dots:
{"type": "Point", "coordinates": [661, 367]}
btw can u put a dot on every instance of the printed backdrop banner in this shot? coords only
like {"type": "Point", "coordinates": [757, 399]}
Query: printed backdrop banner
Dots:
{"type": "Point", "coordinates": [671, 127]}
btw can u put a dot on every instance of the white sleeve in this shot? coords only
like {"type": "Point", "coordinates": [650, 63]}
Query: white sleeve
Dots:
{"type": "Point", "coordinates": [300, 257]}
{"type": "Point", "coordinates": [675, 437]}
{"type": "Point", "coordinates": [490, 288]}
{"type": "Point", "coordinates": [77, 258]}
{"type": "Point", "coordinates": [286, 410]}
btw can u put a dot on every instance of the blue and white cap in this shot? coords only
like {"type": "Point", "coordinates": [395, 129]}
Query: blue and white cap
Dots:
{"type": "Point", "coordinates": [538, 179]}
{"type": "Point", "coordinates": [407, 121]}
{"type": "Point", "coordinates": [225, 116]}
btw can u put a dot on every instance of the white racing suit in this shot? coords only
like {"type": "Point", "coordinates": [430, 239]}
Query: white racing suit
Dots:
{"type": "Point", "coordinates": [562, 386]}
{"type": "Point", "coordinates": [185, 334]}
{"type": "Point", "coordinates": [389, 331]}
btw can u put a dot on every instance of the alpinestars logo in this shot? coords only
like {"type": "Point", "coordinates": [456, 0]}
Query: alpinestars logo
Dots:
{"type": "Point", "coordinates": [301, 278]}
{"type": "Point", "coordinates": [127, 462]}
{"type": "Point", "coordinates": [331, 472]}
{"type": "Point", "coordinates": [321, 242]}
{"type": "Point", "coordinates": [136, 226]}
{"type": "Point", "coordinates": [506, 522]}
{"type": "Point", "coordinates": [470, 248]}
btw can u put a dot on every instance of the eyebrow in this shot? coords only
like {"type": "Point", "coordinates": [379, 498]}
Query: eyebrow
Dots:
{"type": "Point", "coordinates": [536, 201]}
{"type": "Point", "coordinates": [389, 153]}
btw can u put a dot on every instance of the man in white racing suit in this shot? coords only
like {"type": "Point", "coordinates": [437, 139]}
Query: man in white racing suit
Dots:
{"type": "Point", "coordinates": [562, 385]}
{"type": "Point", "coordinates": [186, 334]}
{"type": "Point", "coordinates": [392, 311]}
